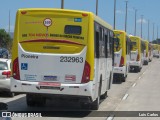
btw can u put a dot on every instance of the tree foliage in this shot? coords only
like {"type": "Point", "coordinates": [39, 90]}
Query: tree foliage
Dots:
{"type": "Point", "coordinates": [5, 40]}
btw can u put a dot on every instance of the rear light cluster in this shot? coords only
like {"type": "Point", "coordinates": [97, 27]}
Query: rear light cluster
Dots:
{"type": "Point", "coordinates": [121, 62]}
{"type": "Point", "coordinates": [7, 73]}
{"type": "Point", "coordinates": [16, 74]}
{"type": "Point", "coordinates": [86, 73]}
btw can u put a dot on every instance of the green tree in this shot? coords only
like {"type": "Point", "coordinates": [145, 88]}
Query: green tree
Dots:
{"type": "Point", "coordinates": [5, 40]}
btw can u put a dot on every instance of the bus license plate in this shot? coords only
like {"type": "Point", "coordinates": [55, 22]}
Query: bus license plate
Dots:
{"type": "Point", "coordinates": [50, 78]}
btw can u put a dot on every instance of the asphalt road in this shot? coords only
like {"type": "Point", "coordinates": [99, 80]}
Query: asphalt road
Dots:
{"type": "Point", "coordinates": [140, 92]}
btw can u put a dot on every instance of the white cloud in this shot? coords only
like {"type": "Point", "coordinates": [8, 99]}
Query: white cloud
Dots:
{"type": "Point", "coordinates": [143, 21]}
{"type": "Point", "coordinates": [119, 12]}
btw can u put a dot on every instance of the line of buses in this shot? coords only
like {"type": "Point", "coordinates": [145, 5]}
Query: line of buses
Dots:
{"type": "Point", "coordinates": [71, 54]}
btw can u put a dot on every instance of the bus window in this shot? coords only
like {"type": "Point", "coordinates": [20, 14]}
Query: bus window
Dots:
{"type": "Point", "coordinates": [97, 44]}
{"type": "Point", "coordinates": [71, 29]}
{"type": "Point", "coordinates": [116, 43]}
{"type": "Point", "coordinates": [110, 45]}
{"type": "Point", "coordinates": [101, 44]}
{"type": "Point", "coordinates": [106, 42]}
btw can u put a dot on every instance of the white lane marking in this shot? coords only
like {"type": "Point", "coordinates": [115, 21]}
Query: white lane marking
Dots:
{"type": "Point", "coordinates": [111, 117]}
{"type": "Point", "coordinates": [139, 78]}
{"type": "Point", "coordinates": [125, 97]}
{"type": "Point", "coordinates": [14, 98]}
{"type": "Point", "coordinates": [134, 84]}
{"type": "Point", "coordinates": [143, 73]}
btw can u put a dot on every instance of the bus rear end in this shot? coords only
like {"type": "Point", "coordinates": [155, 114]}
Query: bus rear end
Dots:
{"type": "Point", "coordinates": [135, 63]}
{"type": "Point", "coordinates": [120, 55]}
{"type": "Point", "coordinates": [146, 53]}
{"type": "Point", "coordinates": [49, 53]}
{"type": "Point", "coordinates": [150, 52]}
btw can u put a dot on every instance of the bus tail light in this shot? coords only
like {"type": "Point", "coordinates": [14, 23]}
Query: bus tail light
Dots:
{"type": "Point", "coordinates": [7, 73]}
{"type": "Point", "coordinates": [121, 62]}
{"type": "Point", "coordinates": [86, 73]}
{"type": "Point", "coordinates": [23, 12]}
{"type": "Point", "coordinates": [138, 58]}
{"type": "Point", "coordinates": [16, 74]}
{"type": "Point", "coordinates": [84, 14]}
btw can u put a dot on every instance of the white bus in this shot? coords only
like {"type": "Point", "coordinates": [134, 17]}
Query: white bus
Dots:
{"type": "Point", "coordinates": [64, 53]}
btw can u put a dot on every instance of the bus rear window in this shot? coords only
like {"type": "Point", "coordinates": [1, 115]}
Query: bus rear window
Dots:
{"type": "Point", "coordinates": [71, 29]}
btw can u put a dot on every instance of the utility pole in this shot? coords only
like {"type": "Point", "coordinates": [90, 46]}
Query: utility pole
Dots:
{"type": "Point", "coordinates": [126, 16]}
{"type": "Point", "coordinates": [96, 7]}
{"type": "Point", "coordinates": [62, 4]}
{"type": "Point", "coordinates": [148, 30]}
{"type": "Point", "coordinates": [141, 26]}
{"type": "Point", "coordinates": [9, 22]}
{"type": "Point", "coordinates": [135, 22]}
{"type": "Point", "coordinates": [153, 32]}
{"type": "Point", "coordinates": [114, 14]}
{"type": "Point", "coordinates": [157, 32]}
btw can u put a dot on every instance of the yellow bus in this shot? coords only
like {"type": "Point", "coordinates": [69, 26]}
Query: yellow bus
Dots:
{"type": "Point", "coordinates": [65, 53]}
{"type": "Point", "coordinates": [158, 50]}
{"type": "Point", "coordinates": [150, 52]}
{"type": "Point", "coordinates": [136, 56]}
{"type": "Point", "coordinates": [155, 50]}
{"type": "Point", "coordinates": [121, 55]}
{"type": "Point", "coordinates": [146, 55]}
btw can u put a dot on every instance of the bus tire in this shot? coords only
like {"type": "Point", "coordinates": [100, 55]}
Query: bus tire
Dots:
{"type": "Point", "coordinates": [138, 69]}
{"type": "Point", "coordinates": [11, 94]}
{"type": "Point", "coordinates": [104, 96]}
{"type": "Point", "coordinates": [30, 100]}
{"type": "Point", "coordinates": [123, 79]}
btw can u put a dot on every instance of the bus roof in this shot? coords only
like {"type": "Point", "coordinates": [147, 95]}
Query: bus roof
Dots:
{"type": "Point", "coordinates": [61, 11]}
{"type": "Point", "coordinates": [122, 31]}
{"type": "Point", "coordinates": [99, 20]}
{"type": "Point", "coordinates": [135, 37]}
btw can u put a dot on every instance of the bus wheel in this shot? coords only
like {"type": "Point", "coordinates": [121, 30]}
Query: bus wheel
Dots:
{"type": "Point", "coordinates": [123, 79]}
{"type": "Point", "coordinates": [30, 100]}
{"type": "Point", "coordinates": [11, 94]}
{"type": "Point", "coordinates": [104, 96]}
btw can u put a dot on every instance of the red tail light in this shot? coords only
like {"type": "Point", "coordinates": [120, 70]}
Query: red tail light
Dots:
{"type": "Point", "coordinates": [7, 73]}
{"type": "Point", "coordinates": [16, 74]}
{"type": "Point", "coordinates": [138, 57]}
{"type": "Point", "coordinates": [84, 14]}
{"type": "Point", "coordinates": [86, 73]}
{"type": "Point", "coordinates": [23, 12]}
{"type": "Point", "coordinates": [121, 62]}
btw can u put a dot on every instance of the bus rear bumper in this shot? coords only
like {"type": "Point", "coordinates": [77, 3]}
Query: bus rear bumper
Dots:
{"type": "Point", "coordinates": [27, 87]}
{"type": "Point", "coordinates": [135, 64]}
{"type": "Point", "coordinates": [119, 70]}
